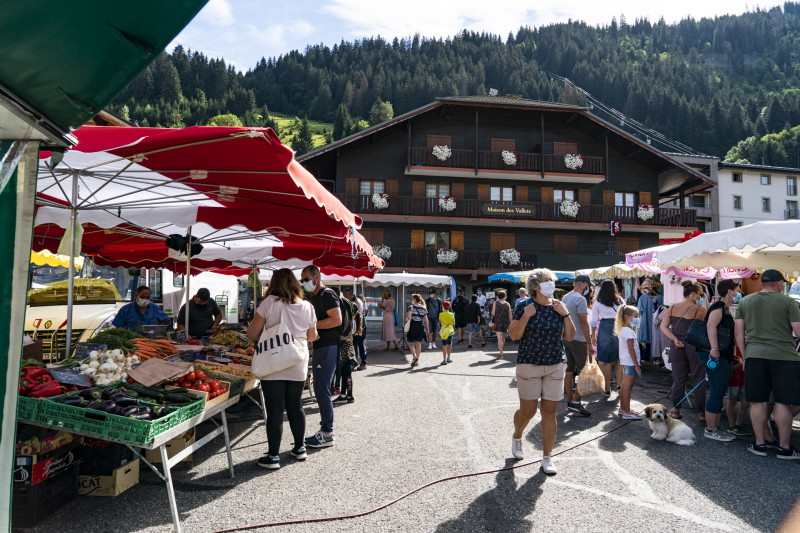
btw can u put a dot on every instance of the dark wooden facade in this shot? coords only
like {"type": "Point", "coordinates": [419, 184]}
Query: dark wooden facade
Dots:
{"type": "Point", "coordinates": [502, 206]}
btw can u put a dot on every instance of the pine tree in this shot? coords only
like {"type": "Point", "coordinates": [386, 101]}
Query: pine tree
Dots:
{"type": "Point", "coordinates": [341, 123]}
{"type": "Point", "coordinates": [302, 142]}
{"type": "Point", "coordinates": [381, 112]}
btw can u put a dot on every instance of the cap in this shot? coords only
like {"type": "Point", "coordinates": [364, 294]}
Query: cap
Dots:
{"type": "Point", "coordinates": [772, 275]}
{"type": "Point", "coordinates": [583, 278]}
{"type": "Point", "coordinates": [347, 288]}
{"type": "Point", "coordinates": [203, 294]}
{"type": "Point", "coordinates": [432, 291]}
{"type": "Point", "coordinates": [446, 305]}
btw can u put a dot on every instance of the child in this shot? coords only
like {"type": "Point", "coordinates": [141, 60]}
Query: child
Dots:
{"type": "Point", "coordinates": [446, 320]}
{"type": "Point", "coordinates": [736, 394]}
{"type": "Point", "coordinates": [629, 357]}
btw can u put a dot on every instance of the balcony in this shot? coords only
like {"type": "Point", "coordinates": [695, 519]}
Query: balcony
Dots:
{"type": "Point", "coordinates": [407, 258]}
{"type": "Point", "coordinates": [403, 206]}
{"type": "Point", "coordinates": [490, 164]}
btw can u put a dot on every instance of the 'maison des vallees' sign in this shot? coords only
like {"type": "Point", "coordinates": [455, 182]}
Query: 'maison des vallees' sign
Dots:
{"type": "Point", "coordinates": [511, 210]}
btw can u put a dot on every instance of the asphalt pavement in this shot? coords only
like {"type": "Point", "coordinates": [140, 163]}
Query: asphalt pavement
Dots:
{"type": "Point", "coordinates": [408, 428]}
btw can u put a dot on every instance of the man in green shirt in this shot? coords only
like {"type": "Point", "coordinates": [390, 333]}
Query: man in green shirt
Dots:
{"type": "Point", "coordinates": [765, 322]}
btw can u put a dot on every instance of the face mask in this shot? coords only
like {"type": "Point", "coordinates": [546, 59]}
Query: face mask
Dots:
{"type": "Point", "coordinates": [309, 285]}
{"type": "Point", "coordinates": [737, 298]}
{"type": "Point", "coordinates": [547, 288]}
{"type": "Point", "coordinates": [585, 292]}
{"type": "Point", "coordinates": [635, 322]}
{"type": "Point", "coordinates": [699, 301]}
{"type": "Point", "coordinates": [142, 302]}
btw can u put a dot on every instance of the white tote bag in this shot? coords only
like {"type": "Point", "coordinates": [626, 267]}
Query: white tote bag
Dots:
{"type": "Point", "coordinates": [277, 349]}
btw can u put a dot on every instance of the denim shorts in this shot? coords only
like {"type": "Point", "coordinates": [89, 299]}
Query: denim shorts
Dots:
{"type": "Point", "coordinates": [448, 341]}
{"type": "Point", "coordinates": [629, 370]}
{"type": "Point", "coordinates": [473, 327]}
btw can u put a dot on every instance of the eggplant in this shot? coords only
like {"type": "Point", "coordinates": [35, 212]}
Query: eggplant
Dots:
{"type": "Point", "coordinates": [160, 411]}
{"type": "Point", "coordinates": [107, 406]}
{"type": "Point", "coordinates": [90, 394]}
{"type": "Point", "coordinates": [141, 416]}
{"type": "Point", "coordinates": [108, 393]}
{"type": "Point", "coordinates": [144, 409]}
{"type": "Point", "coordinates": [128, 411]}
{"type": "Point", "coordinates": [94, 405]}
{"type": "Point", "coordinates": [69, 400]}
{"type": "Point", "coordinates": [124, 401]}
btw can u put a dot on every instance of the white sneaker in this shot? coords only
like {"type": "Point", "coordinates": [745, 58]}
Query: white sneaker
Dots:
{"type": "Point", "coordinates": [548, 467]}
{"type": "Point", "coordinates": [516, 448]}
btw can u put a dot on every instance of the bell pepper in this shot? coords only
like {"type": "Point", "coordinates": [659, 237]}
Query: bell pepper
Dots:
{"type": "Point", "coordinates": [44, 379]}
{"type": "Point", "coordinates": [43, 390]}
{"type": "Point", "coordinates": [33, 372]}
{"type": "Point", "coordinates": [25, 386]}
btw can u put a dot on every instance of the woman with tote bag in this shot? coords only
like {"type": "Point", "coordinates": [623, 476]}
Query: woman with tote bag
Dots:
{"type": "Point", "coordinates": [282, 327]}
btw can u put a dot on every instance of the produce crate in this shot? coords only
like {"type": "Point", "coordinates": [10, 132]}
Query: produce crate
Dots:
{"type": "Point", "coordinates": [33, 503]}
{"type": "Point", "coordinates": [208, 403]}
{"type": "Point", "coordinates": [109, 426]}
{"type": "Point", "coordinates": [27, 408]}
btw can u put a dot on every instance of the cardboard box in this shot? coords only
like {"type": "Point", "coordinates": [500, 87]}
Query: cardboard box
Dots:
{"type": "Point", "coordinates": [33, 469]}
{"type": "Point", "coordinates": [174, 446]}
{"type": "Point", "coordinates": [33, 351]}
{"type": "Point", "coordinates": [101, 458]}
{"type": "Point", "coordinates": [33, 503]}
{"type": "Point", "coordinates": [120, 480]}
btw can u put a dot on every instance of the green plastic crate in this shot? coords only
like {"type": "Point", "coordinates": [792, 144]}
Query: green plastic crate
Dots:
{"type": "Point", "coordinates": [27, 408]}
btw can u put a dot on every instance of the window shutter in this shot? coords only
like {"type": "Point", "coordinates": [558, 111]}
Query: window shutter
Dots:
{"type": "Point", "coordinates": [608, 197]}
{"type": "Point", "coordinates": [439, 140]}
{"type": "Point", "coordinates": [626, 245]}
{"type": "Point", "coordinates": [644, 197]}
{"type": "Point", "coordinates": [393, 188]}
{"type": "Point", "coordinates": [509, 241]}
{"type": "Point", "coordinates": [374, 236]}
{"type": "Point", "coordinates": [547, 195]}
{"type": "Point", "coordinates": [484, 192]}
{"type": "Point", "coordinates": [498, 145]}
{"type": "Point", "coordinates": [418, 189]}
{"type": "Point", "coordinates": [584, 196]}
{"type": "Point", "coordinates": [457, 240]}
{"type": "Point", "coordinates": [351, 187]}
{"type": "Point", "coordinates": [457, 190]}
{"type": "Point", "coordinates": [501, 241]}
{"type": "Point", "coordinates": [417, 238]}
{"type": "Point", "coordinates": [565, 244]}
{"type": "Point", "coordinates": [521, 193]}
{"type": "Point", "coordinates": [560, 148]}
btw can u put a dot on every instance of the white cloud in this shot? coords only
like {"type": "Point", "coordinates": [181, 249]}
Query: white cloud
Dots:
{"type": "Point", "coordinates": [217, 13]}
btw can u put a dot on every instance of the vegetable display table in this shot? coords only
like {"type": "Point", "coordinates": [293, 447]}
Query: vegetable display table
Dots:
{"type": "Point", "coordinates": [160, 441]}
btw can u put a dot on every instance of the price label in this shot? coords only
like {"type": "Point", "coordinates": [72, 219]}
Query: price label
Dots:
{"type": "Point", "coordinates": [70, 376]}
{"type": "Point", "coordinates": [174, 359]}
{"type": "Point", "coordinates": [82, 349]}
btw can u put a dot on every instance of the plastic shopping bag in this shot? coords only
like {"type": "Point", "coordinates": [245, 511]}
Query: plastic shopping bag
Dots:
{"type": "Point", "coordinates": [591, 379]}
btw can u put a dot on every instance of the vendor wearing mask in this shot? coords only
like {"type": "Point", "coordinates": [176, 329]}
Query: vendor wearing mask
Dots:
{"type": "Point", "coordinates": [140, 312]}
{"type": "Point", "coordinates": [204, 315]}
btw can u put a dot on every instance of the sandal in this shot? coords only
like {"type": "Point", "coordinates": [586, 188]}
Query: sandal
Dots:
{"type": "Point", "coordinates": [676, 414]}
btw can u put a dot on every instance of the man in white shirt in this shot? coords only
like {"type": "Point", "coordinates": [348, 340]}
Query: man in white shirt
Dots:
{"type": "Point", "coordinates": [481, 298]}
{"type": "Point", "coordinates": [579, 348]}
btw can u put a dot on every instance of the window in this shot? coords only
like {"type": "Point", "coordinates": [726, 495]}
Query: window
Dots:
{"type": "Point", "coordinates": [737, 202]}
{"type": "Point", "coordinates": [437, 190]}
{"type": "Point", "coordinates": [701, 225]}
{"type": "Point", "coordinates": [502, 194]}
{"type": "Point", "coordinates": [697, 201]}
{"type": "Point", "coordinates": [625, 199]}
{"type": "Point", "coordinates": [737, 223]}
{"type": "Point", "coordinates": [737, 177]}
{"type": "Point", "coordinates": [559, 195]}
{"type": "Point", "coordinates": [791, 210]}
{"type": "Point", "coordinates": [791, 186]}
{"type": "Point", "coordinates": [437, 239]}
{"type": "Point", "coordinates": [370, 187]}
{"type": "Point", "coordinates": [766, 179]}
{"type": "Point", "coordinates": [565, 244]}
{"type": "Point", "coordinates": [765, 205]}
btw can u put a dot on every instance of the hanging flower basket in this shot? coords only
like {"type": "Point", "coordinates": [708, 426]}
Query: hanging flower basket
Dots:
{"type": "Point", "coordinates": [509, 157]}
{"type": "Point", "coordinates": [381, 200]}
{"type": "Point", "coordinates": [442, 153]}
{"type": "Point", "coordinates": [383, 251]}
{"type": "Point", "coordinates": [573, 161]}
{"type": "Point", "coordinates": [570, 208]}
{"type": "Point", "coordinates": [509, 256]}
{"type": "Point", "coordinates": [646, 212]}
{"type": "Point", "coordinates": [446, 256]}
{"type": "Point", "coordinates": [448, 203]}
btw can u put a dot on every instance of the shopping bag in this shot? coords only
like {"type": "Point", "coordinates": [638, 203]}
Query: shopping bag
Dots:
{"type": "Point", "coordinates": [591, 379]}
{"type": "Point", "coordinates": [277, 349]}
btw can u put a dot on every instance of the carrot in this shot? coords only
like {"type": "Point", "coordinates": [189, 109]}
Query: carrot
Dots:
{"type": "Point", "coordinates": [144, 357]}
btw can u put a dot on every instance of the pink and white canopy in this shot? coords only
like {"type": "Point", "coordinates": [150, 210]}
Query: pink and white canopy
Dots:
{"type": "Point", "coordinates": [649, 261]}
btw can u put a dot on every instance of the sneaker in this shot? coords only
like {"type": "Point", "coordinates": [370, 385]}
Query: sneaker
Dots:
{"type": "Point", "coordinates": [299, 453]}
{"type": "Point", "coordinates": [788, 453]}
{"type": "Point", "coordinates": [415, 362]}
{"type": "Point", "coordinates": [631, 416]}
{"type": "Point", "coordinates": [449, 360]}
{"type": "Point", "coordinates": [576, 407]}
{"type": "Point", "coordinates": [739, 431]}
{"type": "Point", "coordinates": [548, 467]}
{"type": "Point", "coordinates": [272, 463]}
{"type": "Point", "coordinates": [516, 448]}
{"type": "Point", "coordinates": [758, 449]}
{"type": "Point", "coordinates": [362, 366]}
{"type": "Point", "coordinates": [319, 440]}
{"type": "Point", "coordinates": [350, 399]}
{"type": "Point", "coordinates": [718, 434]}
{"type": "Point", "coordinates": [335, 391]}
{"type": "Point", "coordinates": [607, 393]}
{"type": "Point", "coordinates": [772, 444]}
{"type": "Point", "coordinates": [773, 429]}
{"type": "Point", "coordinates": [341, 399]}
{"type": "Point", "coordinates": [433, 346]}
{"type": "Point", "coordinates": [443, 362]}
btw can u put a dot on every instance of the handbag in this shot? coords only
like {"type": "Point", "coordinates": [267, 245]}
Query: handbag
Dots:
{"type": "Point", "coordinates": [277, 349]}
{"type": "Point", "coordinates": [697, 335]}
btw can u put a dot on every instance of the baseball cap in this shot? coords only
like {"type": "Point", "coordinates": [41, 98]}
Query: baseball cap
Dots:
{"type": "Point", "coordinates": [432, 291]}
{"type": "Point", "coordinates": [583, 278]}
{"type": "Point", "coordinates": [203, 294]}
{"type": "Point", "coordinates": [772, 275]}
{"type": "Point", "coordinates": [446, 305]}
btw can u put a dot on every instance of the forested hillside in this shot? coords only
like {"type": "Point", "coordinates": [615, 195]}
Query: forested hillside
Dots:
{"type": "Point", "coordinates": [707, 83]}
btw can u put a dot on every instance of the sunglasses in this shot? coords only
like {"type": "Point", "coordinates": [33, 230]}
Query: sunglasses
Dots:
{"type": "Point", "coordinates": [307, 279]}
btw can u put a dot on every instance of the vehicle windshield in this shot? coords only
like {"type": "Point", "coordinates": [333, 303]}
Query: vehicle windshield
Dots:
{"type": "Point", "coordinates": [86, 291]}
{"type": "Point", "coordinates": [795, 290]}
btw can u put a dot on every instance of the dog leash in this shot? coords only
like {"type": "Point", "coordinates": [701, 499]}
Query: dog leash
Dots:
{"type": "Point", "coordinates": [689, 394]}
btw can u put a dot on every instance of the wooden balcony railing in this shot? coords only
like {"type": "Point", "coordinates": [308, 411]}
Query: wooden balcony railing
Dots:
{"type": "Point", "coordinates": [549, 212]}
{"type": "Point", "coordinates": [526, 162]}
{"type": "Point", "coordinates": [467, 259]}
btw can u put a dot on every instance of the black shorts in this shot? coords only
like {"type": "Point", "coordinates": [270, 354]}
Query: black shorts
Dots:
{"type": "Point", "coordinates": [765, 376]}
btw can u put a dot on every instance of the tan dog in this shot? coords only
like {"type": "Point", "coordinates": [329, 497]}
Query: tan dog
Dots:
{"type": "Point", "coordinates": [667, 428]}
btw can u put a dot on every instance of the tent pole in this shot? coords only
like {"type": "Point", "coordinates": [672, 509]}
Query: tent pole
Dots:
{"type": "Point", "coordinates": [188, 275]}
{"type": "Point", "coordinates": [255, 284]}
{"type": "Point", "coordinates": [71, 283]}
{"type": "Point", "coordinates": [403, 320]}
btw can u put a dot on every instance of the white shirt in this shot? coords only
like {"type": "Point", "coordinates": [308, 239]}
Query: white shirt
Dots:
{"type": "Point", "coordinates": [625, 357]}
{"type": "Point", "coordinates": [602, 312]}
{"type": "Point", "coordinates": [298, 318]}
{"type": "Point", "coordinates": [481, 300]}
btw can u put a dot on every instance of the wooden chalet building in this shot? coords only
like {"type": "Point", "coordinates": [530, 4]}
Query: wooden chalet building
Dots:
{"type": "Point", "coordinates": [504, 206]}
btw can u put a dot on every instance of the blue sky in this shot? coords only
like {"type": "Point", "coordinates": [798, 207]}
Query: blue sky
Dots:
{"type": "Point", "coordinates": [244, 31]}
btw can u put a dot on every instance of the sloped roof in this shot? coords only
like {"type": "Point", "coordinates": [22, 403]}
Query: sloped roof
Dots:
{"type": "Point", "coordinates": [495, 101]}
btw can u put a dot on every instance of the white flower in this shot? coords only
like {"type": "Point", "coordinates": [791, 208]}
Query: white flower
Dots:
{"type": "Point", "coordinates": [646, 212]}
{"type": "Point", "coordinates": [382, 251]}
{"type": "Point", "coordinates": [444, 255]}
{"type": "Point", "coordinates": [448, 203]}
{"type": "Point", "coordinates": [509, 256]}
{"type": "Point", "coordinates": [573, 161]}
{"type": "Point", "coordinates": [570, 208]}
{"type": "Point", "coordinates": [442, 153]}
{"type": "Point", "coordinates": [509, 158]}
{"type": "Point", "coordinates": [380, 200]}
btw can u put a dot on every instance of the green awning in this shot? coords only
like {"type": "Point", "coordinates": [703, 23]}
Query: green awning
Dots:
{"type": "Point", "coordinates": [64, 61]}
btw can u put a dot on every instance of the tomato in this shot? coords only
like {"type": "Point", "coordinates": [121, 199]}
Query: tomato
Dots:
{"type": "Point", "coordinates": [212, 395]}
{"type": "Point", "coordinates": [191, 376]}
{"type": "Point", "coordinates": [199, 374]}
{"type": "Point", "coordinates": [214, 385]}
{"type": "Point", "coordinates": [204, 387]}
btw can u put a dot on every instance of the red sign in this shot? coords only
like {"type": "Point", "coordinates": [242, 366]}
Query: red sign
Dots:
{"type": "Point", "coordinates": [616, 227]}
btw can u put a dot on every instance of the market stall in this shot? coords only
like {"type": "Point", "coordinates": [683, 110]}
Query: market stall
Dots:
{"type": "Point", "coordinates": [562, 277]}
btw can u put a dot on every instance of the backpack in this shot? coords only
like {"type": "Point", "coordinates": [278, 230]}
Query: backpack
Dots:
{"type": "Point", "coordinates": [349, 312]}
